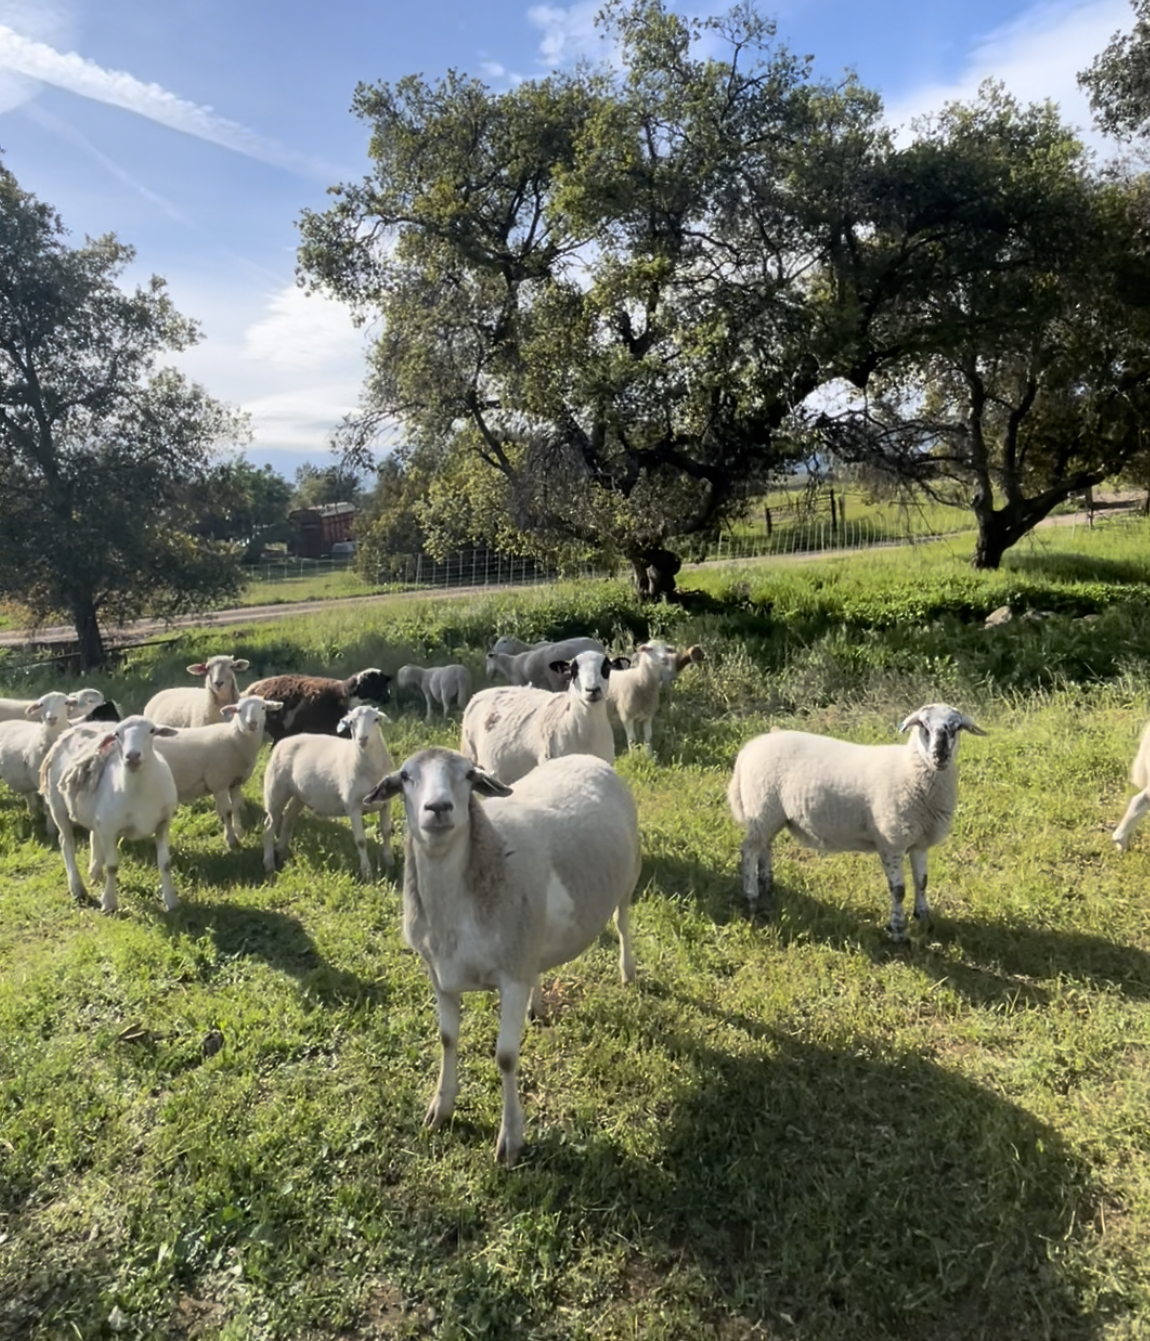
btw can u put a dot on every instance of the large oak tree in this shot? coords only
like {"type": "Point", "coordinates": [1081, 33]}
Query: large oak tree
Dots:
{"type": "Point", "coordinates": [98, 444]}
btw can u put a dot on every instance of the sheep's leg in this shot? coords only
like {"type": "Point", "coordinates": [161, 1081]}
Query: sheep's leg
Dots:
{"type": "Point", "coordinates": [513, 999]}
{"type": "Point", "coordinates": [288, 816]}
{"type": "Point", "coordinates": [95, 857]}
{"type": "Point", "coordinates": [224, 810]}
{"type": "Point", "coordinates": [647, 726]}
{"type": "Point", "coordinates": [360, 836]}
{"type": "Point", "coordinates": [236, 796]}
{"type": "Point", "coordinates": [269, 843]}
{"type": "Point", "coordinates": [385, 835]}
{"type": "Point", "coordinates": [896, 882]}
{"type": "Point", "coordinates": [443, 1102]}
{"type": "Point", "coordinates": [427, 698]}
{"type": "Point", "coordinates": [758, 873]}
{"type": "Point", "coordinates": [623, 927]}
{"type": "Point", "coordinates": [918, 874]}
{"type": "Point", "coordinates": [66, 837]}
{"type": "Point", "coordinates": [1135, 811]}
{"type": "Point", "coordinates": [111, 858]}
{"type": "Point", "coordinates": [164, 862]}
{"type": "Point", "coordinates": [629, 727]}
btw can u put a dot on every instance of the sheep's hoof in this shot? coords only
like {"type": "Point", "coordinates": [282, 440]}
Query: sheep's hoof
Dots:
{"type": "Point", "coordinates": [1121, 843]}
{"type": "Point", "coordinates": [436, 1115]}
{"type": "Point", "coordinates": [897, 932]}
{"type": "Point", "coordinates": [508, 1149]}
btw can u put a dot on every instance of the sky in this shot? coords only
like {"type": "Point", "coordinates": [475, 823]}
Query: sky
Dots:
{"type": "Point", "coordinates": [198, 132]}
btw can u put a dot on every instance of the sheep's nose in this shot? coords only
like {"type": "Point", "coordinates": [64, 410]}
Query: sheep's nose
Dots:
{"type": "Point", "coordinates": [440, 807]}
{"type": "Point", "coordinates": [132, 758]}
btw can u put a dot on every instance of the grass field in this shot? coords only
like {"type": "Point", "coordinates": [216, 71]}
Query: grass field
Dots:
{"type": "Point", "coordinates": [211, 1120]}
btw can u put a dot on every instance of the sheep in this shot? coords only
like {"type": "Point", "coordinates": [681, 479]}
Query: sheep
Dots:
{"type": "Point", "coordinates": [24, 744]}
{"type": "Point", "coordinates": [513, 646]}
{"type": "Point", "coordinates": [108, 711]}
{"type": "Point", "coordinates": [508, 731]}
{"type": "Point", "coordinates": [330, 776]}
{"type": "Point", "coordinates": [495, 894]}
{"type": "Point", "coordinates": [438, 684]}
{"type": "Point", "coordinates": [115, 784]}
{"type": "Point", "coordinates": [634, 693]}
{"type": "Point", "coordinates": [841, 797]}
{"type": "Point", "coordinates": [1139, 804]}
{"type": "Point", "coordinates": [534, 666]}
{"type": "Point", "coordinates": [199, 707]}
{"type": "Point", "coordinates": [316, 704]}
{"type": "Point", "coordinates": [217, 760]}
{"type": "Point", "coordinates": [16, 709]}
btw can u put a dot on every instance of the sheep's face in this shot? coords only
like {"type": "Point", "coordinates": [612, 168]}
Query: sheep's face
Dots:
{"type": "Point", "coordinates": [134, 737]}
{"type": "Point", "coordinates": [51, 709]}
{"type": "Point", "coordinates": [406, 676]}
{"type": "Point", "coordinates": [219, 674]}
{"type": "Point", "coordinates": [664, 657]}
{"type": "Point", "coordinates": [589, 673]}
{"type": "Point", "coordinates": [361, 725]}
{"type": "Point", "coordinates": [85, 700]}
{"type": "Point", "coordinates": [936, 735]}
{"type": "Point", "coordinates": [436, 786]}
{"type": "Point", "coordinates": [490, 667]}
{"type": "Point", "coordinates": [251, 712]}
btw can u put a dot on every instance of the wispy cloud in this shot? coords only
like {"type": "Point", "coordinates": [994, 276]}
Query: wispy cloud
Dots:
{"type": "Point", "coordinates": [27, 58]}
{"type": "Point", "coordinates": [568, 34]}
{"type": "Point", "coordinates": [1037, 56]}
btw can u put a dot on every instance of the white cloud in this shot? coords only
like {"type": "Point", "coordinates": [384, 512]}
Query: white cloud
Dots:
{"type": "Point", "coordinates": [1037, 56]}
{"type": "Point", "coordinates": [568, 34]}
{"type": "Point", "coordinates": [24, 59]}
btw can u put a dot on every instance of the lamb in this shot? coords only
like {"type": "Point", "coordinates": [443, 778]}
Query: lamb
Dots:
{"type": "Point", "coordinates": [331, 776]}
{"type": "Point", "coordinates": [199, 707]}
{"type": "Point", "coordinates": [534, 666]}
{"type": "Point", "coordinates": [508, 731]}
{"type": "Point", "coordinates": [634, 693]}
{"type": "Point", "coordinates": [315, 703]}
{"type": "Point", "coordinates": [495, 894]}
{"type": "Point", "coordinates": [24, 744]}
{"type": "Point", "coordinates": [1139, 804]}
{"type": "Point", "coordinates": [115, 784]}
{"type": "Point", "coordinates": [841, 797]}
{"type": "Point", "coordinates": [217, 760]}
{"type": "Point", "coordinates": [441, 685]}
{"type": "Point", "coordinates": [82, 701]}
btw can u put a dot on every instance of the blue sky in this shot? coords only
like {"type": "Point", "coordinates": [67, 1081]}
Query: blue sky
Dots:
{"type": "Point", "coordinates": [198, 131]}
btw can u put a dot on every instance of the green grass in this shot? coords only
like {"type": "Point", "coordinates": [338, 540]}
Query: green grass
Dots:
{"type": "Point", "coordinates": [788, 1128]}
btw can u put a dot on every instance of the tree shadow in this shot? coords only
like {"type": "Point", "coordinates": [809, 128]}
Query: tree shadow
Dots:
{"type": "Point", "coordinates": [278, 939]}
{"type": "Point", "coordinates": [1064, 567]}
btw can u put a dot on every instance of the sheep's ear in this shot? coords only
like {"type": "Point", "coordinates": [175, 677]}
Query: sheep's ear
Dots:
{"type": "Point", "coordinates": [240, 664]}
{"type": "Point", "coordinates": [73, 702]}
{"type": "Point", "coordinates": [564, 668]}
{"type": "Point", "coordinates": [967, 725]}
{"type": "Point", "coordinates": [164, 731]}
{"type": "Point", "coordinates": [229, 710]}
{"type": "Point", "coordinates": [696, 654]}
{"type": "Point", "coordinates": [913, 720]}
{"type": "Point", "coordinates": [272, 705]}
{"type": "Point", "coordinates": [617, 663]}
{"type": "Point", "coordinates": [200, 668]}
{"type": "Point", "coordinates": [33, 709]}
{"type": "Point", "coordinates": [485, 784]}
{"type": "Point", "coordinates": [385, 789]}
{"type": "Point", "coordinates": [344, 727]}
{"type": "Point", "coordinates": [106, 744]}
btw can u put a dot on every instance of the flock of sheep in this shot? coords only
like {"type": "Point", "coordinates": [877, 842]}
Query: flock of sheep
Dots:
{"type": "Point", "coordinates": [494, 892]}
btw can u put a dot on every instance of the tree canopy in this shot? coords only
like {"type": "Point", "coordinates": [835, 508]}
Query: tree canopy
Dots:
{"type": "Point", "coordinates": [1118, 81]}
{"type": "Point", "coordinates": [98, 444]}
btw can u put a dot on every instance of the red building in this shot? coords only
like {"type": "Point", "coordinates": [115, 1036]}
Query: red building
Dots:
{"type": "Point", "coordinates": [317, 529]}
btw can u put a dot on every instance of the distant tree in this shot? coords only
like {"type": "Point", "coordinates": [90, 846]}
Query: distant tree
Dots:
{"type": "Point", "coordinates": [243, 503]}
{"type": "Point", "coordinates": [1118, 81]}
{"type": "Point", "coordinates": [388, 531]}
{"type": "Point", "coordinates": [317, 485]}
{"type": "Point", "coordinates": [601, 287]}
{"type": "Point", "coordinates": [1023, 376]}
{"type": "Point", "coordinates": [97, 444]}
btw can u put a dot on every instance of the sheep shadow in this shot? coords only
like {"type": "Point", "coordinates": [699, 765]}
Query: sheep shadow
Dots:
{"type": "Point", "coordinates": [278, 939]}
{"type": "Point", "coordinates": [999, 965]}
{"type": "Point", "coordinates": [815, 1193]}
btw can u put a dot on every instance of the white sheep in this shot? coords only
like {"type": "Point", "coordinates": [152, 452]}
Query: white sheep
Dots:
{"type": "Point", "coordinates": [113, 783]}
{"type": "Point", "coordinates": [634, 693]}
{"type": "Point", "coordinates": [534, 666]}
{"type": "Point", "coordinates": [199, 707]}
{"type": "Point", "coordinates": [80, 702]}
{"type": "Point", "coordinates": [512, 646]}
{"type": "Point", "coordinates": [442, 685]}
{"type": "Point", "coordinates": [217, 760]}
{"type": "Point", "coordinates": [496, 893]}
{"type": "Point", "coordinates": [329, 775]}
{"type": "Point", "coordinates": [509, 731]}
{"type": "Point", "coordinates": [1139, 804]}
{"type": "Point", "coordinates": [23, 745]}
{"type": "Point", "coordinates": [841, 797]}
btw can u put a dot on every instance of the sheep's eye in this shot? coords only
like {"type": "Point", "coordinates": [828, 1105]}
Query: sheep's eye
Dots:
{"type": "Point", "coordinates": [403, 777]}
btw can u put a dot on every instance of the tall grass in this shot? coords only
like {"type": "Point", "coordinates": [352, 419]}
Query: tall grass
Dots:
{"type": "Point", "coordinates": [789, 1128]}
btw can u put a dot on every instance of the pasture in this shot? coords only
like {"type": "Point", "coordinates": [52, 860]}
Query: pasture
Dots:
{"type": "Point", "coordinates": [788, 1128]}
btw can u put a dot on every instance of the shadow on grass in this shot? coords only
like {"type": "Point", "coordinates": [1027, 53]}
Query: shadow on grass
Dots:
{"type": "Point", "coordinates": [279, 940]}
{"type": "Point", "coordinates": [819, 1194]}
{"type": "Point", "coordinates": [1059, 566]}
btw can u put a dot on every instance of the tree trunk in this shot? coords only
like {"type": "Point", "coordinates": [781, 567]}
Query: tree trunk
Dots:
{"type": "Point", "coordinates": [88, 633]}
{"type": "Point", "coordinates": [654, 569]}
